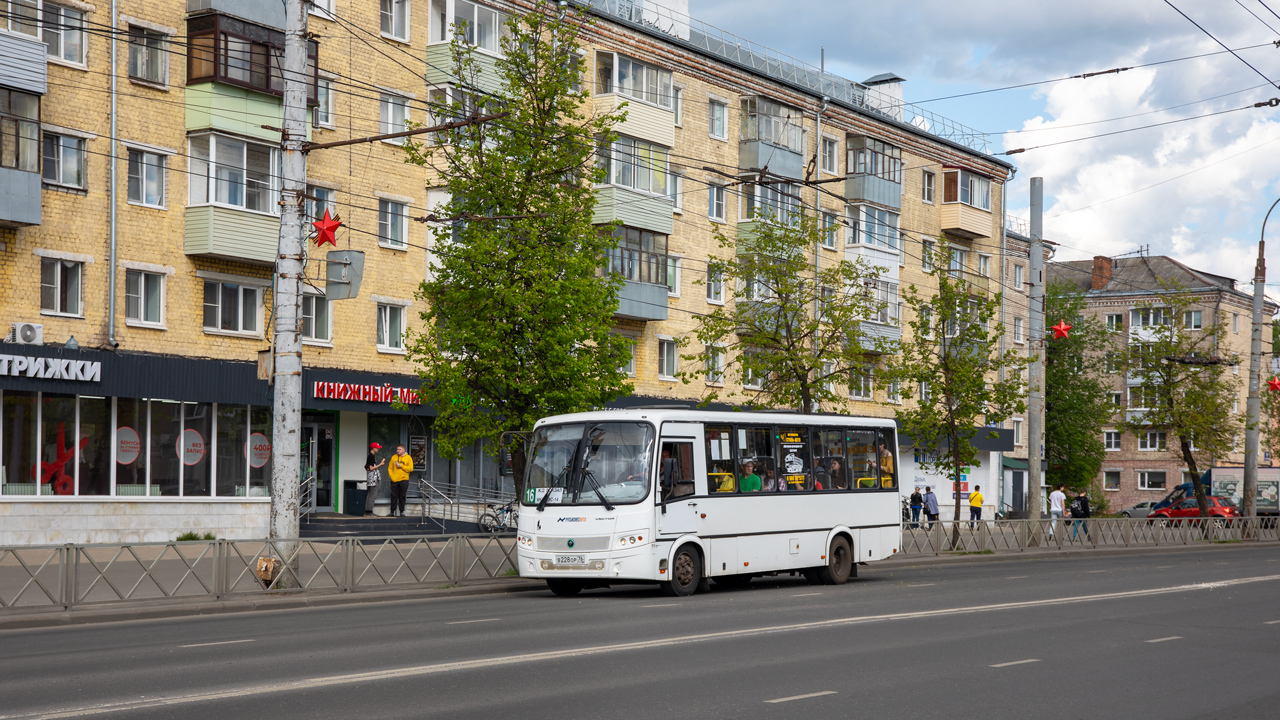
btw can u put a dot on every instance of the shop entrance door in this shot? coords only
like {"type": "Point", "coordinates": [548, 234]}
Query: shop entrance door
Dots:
{"type": "Point", "coordinates": [317, 460]}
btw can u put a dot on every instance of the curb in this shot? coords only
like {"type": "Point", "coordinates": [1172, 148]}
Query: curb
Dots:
{"type": "Point", "coordinates": [1023, 556]}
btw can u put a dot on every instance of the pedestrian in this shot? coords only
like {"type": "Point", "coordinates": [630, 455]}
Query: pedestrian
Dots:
{"type": "Point", "coordinates": [930, 506]}
{"type": "Point", "coordinates": [917, 502]}
{"type": "Point", "coordinates": [399, 469]}
{"type": "Point", "coordinates": [1056, 499]}
{"type": "Point", "coordinates": [975, 506]}
{"type": "Point", "coordinates": [1080, 514]}
{"type": "Point", "coordinates": [372, 476]}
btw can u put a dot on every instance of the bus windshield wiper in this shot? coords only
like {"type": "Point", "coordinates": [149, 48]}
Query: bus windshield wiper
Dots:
{"type": "Point", "coordinates": [587, 474]}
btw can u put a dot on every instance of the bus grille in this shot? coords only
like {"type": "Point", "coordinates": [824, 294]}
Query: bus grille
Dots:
{"type": "Point", "coordinates": [583, 544]}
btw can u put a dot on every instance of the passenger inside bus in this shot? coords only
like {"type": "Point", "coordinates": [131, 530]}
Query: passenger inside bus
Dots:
{"type": "Point", "coordinates": [886, 466]}
{"type": "Point", "coordinates": [750, 480]}
{"type": "Point", "coordinates": [862, 459]}
{"type": "Point", "coordinates": [836, 471]}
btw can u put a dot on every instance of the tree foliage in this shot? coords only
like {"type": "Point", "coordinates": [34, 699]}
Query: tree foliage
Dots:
{"type": "Point", "coordinates": [794, 335]}
{"type": "Point", "coordinates": [519, 316]}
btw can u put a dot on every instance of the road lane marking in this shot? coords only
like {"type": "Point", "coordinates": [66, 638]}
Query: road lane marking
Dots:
{"type": "Point", "coordinates": [1171, 637]}
{"type": "Point", "coordinates": [1017, 577]}
{"type": "Point", "coordinates": [1163, 567]}
{"type": "Point", "coordinates": [804, 595]}
{"type": "Point", "coordinates": [802, 697]}
{"type": "Point", "coordinates": [922, 584]}
{"type": "Point", "coordinates": [468, 622]}
{"type": "Point", "coordinates": [408, 673]}
{"type": "Point", "coordinates": [224, 642]}
{"type": "Point", "coordinates": [1015, 662]}
{"type": "Point", "coordinates": [1272, 622]}
{"type": "Point", "coordinates": [662, 605]}
{"type": "Point", "coordinates": [1097, 571]}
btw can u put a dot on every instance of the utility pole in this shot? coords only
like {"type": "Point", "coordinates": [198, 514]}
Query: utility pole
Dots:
{"type": "Point", "coordinates": [1253, 408]}
{"type": "Point", "coordinates": [287, 355]}
{"type": "Point", "coordinates": [1035, 379]}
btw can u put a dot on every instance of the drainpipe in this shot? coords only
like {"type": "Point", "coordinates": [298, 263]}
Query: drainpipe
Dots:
{"type": "Point", "coordinates": [817, 165]}
{"type": "Point", "coordinates": [115, 143]}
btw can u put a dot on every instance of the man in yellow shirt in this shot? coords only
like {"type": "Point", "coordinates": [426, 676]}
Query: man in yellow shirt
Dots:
{"type": "Point", "coordinates": [975, 505]}
{"type": "Point", "coordinates": [398, 470]}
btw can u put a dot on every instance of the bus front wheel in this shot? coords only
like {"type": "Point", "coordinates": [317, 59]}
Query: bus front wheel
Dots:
{"type": "Point", "coordinates": [839, 563]}
{"type": "Point", "coordinates": [686, 573]}
{"type": "Point", "coordinates": [564, 588]}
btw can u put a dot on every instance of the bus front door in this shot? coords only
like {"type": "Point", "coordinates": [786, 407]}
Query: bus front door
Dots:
{"type": "Point", "coordinates": [677, 491]}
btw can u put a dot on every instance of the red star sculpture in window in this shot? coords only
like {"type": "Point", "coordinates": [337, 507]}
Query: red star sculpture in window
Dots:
{"type": "Point", "coordinates": [1060, 330]}
{"type": "Point", "coordinates": [325, 228]}
{"type": "Point", "coordinates": [1273, 384]}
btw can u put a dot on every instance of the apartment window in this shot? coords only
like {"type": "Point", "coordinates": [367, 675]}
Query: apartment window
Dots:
{"type": "Point", "coordinates": [1111, 481]}
{"type": "Point", "coordinates": [718, 125]}
{"type": "Point", "coordinates": [1017, 431]}
{"type": "Point", "coordinates": [830, 156]}
{"type": "Point", "coordinates": [322, 113]}
{"type": "Point", "coordinates": [967, 188]}
{"type": "Point", "coordinates": [636, 164]}
{"type": "Point", "coordinates": [19, 130]}
{"type": "Point", "coordinates": [319, 199]}
{"type": "Point", "coordinates": [753, 378]}
{"type": "Point", "coordinates": [144, 297]}
{"type": "Point", "coordinates": [323, 8]}
{"type": "Point", "coordinates": [1017, 277]}
{"type": "Point", "coordinates": [1151, 480]}
{"type": "Point", "coordinates": [231, 307]}
{"type": "Point", "coordinates": [1191, 320]}
{"type": "Point", "coordinates": [868, 156]}
{"type": "Point", "coordinates": [628, 366]}
{"type": "Point", "coordinates": [926, 323]}
{"type": "Point", "coordinates": [667, 357]}
{"type": "Point", "coordinates": [395, 18]}
{"type": "Point", "coordinates": [64, 158]}
{"type": "Point", "coordinates": [771, 122]}
{"type": "Point", "coordinates": [863, 386]}
{"type": "Point", "coordinates": [1148, 317]}
{"type": "Point", "coordinates": [1152, 440]}
{"type": "Point", "coordinates": [60, 284]}
{"type": "Point", "coordinates": [148, 55]}
{"type": "Point", "coordinates": [679, 106]}
{"type": "Point", "coordinates": [317, 323]}
{"type": "Point", "coordinates": [240, 174]}
{"type": "Point", "coordinates": [64, 33]}
{"type": "Point", "coordinates": [390, 327]}
{"type": "Point", "coordinates": [1235, 323]}
{"type": "Point", "coordinates": [676, 193]}
{"type": "Point", "coordinates": [984, 265]}
{"type": "Point", "coordinates": [830, 223]}
{"type": "Point", "coordinates": [1140, 397]}
{"type": "Point", "coordinates": [393, 111]}
{"type": "Point", "coordinates": [146, 178]}
{"type": "Point", "coordinates": [1018, 336]}
{"type": "Point", "coordinates": [893, 393]}
{"type": "Point", "coordinates": [1115, 322]}
{"type": "Point", "coordinates": [625, 76]}
{"type": "Point", "coordinates": [391, 224]}
{"type": "Point", "coordinates": [715, 288]}
{"type": "Point", "coordinates": [673, 276]}
{"type": "Point", "coordinates": [780, 201]}
{"type": "Point", "coordinates": [714, 364]}
{"type": "Point", "coordinates": [927, 250]}
{"type": "Point", "coordinates": [872, 226]}
{"type": "Point", "coordinates": [640, 255]}
{"type": "Point", "coordinates": [888, 308]}
{"type": "Point", "coordinates": [483, 26]}
{"type": "Point", "coordinates": [1111, 440]}
{"type": "Point", "coordinates": [21, 16]}
{"type": "Point", "coordinates": [925, 392]}
{"type": "Point", "coordinates": [959, 263]}
{"type": "Point", "coordinates": [1117, 399]}
{"type": "Point", "coordinates": [928, 180]}
{"type": "Point", "coordinates": [228, 50]}
{"type": "Point", "coordinates": [715, 202]}
{"type": "Point", "coordinates": [1112, 360]}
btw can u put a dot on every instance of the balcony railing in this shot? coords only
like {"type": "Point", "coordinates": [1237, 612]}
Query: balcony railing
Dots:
{"type": "Point", "coordinates": [637, 265]}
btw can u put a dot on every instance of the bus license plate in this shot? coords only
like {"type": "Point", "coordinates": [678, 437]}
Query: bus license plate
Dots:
{"type": "Point", "coordinates": [571, 560]}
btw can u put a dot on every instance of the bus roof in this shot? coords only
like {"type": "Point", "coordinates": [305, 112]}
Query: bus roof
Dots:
{"type": "Point", "coordinates": [660, 415]}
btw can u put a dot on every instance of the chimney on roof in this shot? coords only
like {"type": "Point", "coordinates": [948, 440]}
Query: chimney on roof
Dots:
{"type": "Point", "coordinates": [1101, 272]}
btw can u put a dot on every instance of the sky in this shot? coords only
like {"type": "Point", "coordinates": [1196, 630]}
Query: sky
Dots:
{"type": "Point", "coordinates": [1099, 197]}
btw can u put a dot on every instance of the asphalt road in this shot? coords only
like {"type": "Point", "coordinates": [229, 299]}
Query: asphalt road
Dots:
{"type": "Point", "coordinates": [1183, 635]}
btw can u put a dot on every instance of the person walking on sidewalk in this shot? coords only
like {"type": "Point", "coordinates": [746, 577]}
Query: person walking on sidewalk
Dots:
{"type": "Point", "coordinates": [975, 506]}
{"type": "Point", "coordinates": [930, 506]}
{"type": "Point", "coordinates": [1056, 499]}
{"type": "Point", "coordinates": [372, 476]}
{"type": "Point", "coordinates": [1080, 514]}
{"type": "Point", "coordinates": [917, 502]}
{"type": "Point", "coordinates": [399, 469]}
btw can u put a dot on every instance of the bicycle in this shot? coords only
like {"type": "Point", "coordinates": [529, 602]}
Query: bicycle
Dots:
{"type": "Point", "coordinates": [499, 520]}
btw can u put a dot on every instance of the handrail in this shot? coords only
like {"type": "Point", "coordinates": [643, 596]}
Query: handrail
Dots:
{"type": "Point", "coordinates": [307, 498]}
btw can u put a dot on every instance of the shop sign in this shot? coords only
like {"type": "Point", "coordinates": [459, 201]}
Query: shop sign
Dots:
{"type": "Point", "coordinates": [128, 445]}
{"type": "Point", "coordinates": [364, 393]}
{"type": "Point", "coordinates": [191, 449]}
{"type": "Point", "coordinates": [258, 448]}
{"type": "Point", "coordinates": [50, 368]}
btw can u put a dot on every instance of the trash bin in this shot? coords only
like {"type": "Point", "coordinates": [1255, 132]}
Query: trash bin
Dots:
{"type": "Point", "coordinates": [354, 493]}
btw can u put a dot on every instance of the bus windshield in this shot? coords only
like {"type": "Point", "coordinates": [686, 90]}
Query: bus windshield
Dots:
{"type": "Point", "coordinates": [612, 460]}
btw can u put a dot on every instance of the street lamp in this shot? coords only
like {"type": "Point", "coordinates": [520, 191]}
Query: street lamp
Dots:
{"type": "Point", "coordinates": [1253, 407]}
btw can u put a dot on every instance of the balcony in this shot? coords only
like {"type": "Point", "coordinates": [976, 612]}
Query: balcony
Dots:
{"type": "Point", "coordinates": [633, 209]}
{"type": "Point", "coordinates": [755, 155]}
{"type": "Point", "coordinates": [23, 79]}
{"type": "Point", "coordinates": [883, 331]}
{"type": "Point", "coordinates": [976, 284]}
{"type": "Point", "coordinates": [231, 234]}
{"type": "Point", "coordinates": [644, 121]}
{"type": "Point", "coordinates": [270, 14]}
{"type": "Point", "coordinates": [440, 69]}
{"type": "Point", "coordinates": [19, 198]}
{"type": "Point", "coordinates": [643, 295]}
{"type": "Point", "coordinates": [870, 188]}
{"type": "Point", "coordinates": [965, 222]}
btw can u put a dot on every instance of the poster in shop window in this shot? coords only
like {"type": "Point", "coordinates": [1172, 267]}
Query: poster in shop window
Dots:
{"type": "Point", "coordinates": [418, 445]}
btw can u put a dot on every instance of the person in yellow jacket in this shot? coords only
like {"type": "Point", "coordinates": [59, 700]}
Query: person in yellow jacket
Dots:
{"type": "Point", "coordinates": [398, 470]}
{"type": "Point", "coordinates": [975, 505]}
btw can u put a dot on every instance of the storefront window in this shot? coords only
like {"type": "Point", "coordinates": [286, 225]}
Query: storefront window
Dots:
{"type": "Point", "coordinates": [195, 449]}
{"type": "Point", "coordinates": [233, 438]}
{"type": "Point", "coordinates": [166, 466]}
{"type": "Point", "coordinates": [260, 451]}
{"type": "Point", "coordinates": [18, 425]}
{"type": "Point", "coordinates": [131, 447]}
{"type": "Point", "coordinates": [57, 444]}
{"type": "Point", "coordinates": [385, 430]}
{"type": "Point", "coordinates": [95, 446]}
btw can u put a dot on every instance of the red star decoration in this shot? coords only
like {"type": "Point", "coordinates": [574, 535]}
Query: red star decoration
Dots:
{"type": "Point", "coordinates": [1274, 383]}
{"type": "Point", "coordinates": [325, 228]}
{"type": "Point", "coordinates": [1060, 330]}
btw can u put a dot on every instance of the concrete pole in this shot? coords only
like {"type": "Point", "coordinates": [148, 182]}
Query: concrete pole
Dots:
{"type": "Point", "coordinates": [287, 357]}
{"type": "Point", "coordinates": [1255, 376]}
{"type": "Point", "coordinates": [1035, 380]}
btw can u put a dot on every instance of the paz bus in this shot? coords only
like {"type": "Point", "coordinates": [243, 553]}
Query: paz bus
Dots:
{"type": "Point", "coordinates": [683, 497]}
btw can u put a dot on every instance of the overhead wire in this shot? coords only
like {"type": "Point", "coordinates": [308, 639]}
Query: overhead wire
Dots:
{"type": "Point", "coordinates": [1224, 45]}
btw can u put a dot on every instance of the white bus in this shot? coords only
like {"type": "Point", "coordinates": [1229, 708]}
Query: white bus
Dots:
{"type": "Point", "coordinates": [678, 497]}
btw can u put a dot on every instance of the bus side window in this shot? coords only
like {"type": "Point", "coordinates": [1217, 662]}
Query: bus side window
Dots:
{"type": "Point", "coordinates": [863, 469]}
{"type": "Point", "coordinates": [829, 462]}
{"type": "Point", "coordinates": [675, 469]}
{"type": "Point", "coordinates": [755, 449]}
{"type": "Point", "coordinates": [884, 450]}
{"type": "Point", "coordinates": [720, 476]}
{"type": "Point", "coordinates": [796, 466]}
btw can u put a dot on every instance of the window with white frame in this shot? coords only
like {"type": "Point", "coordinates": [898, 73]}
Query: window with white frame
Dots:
{"type": "Point", "coordinates": [679, 106]}
{"type": "Point", "coordinates": [320, 199]}
{"type": "Point", "coordinates": [1235, 323]}
{"type": "Point", "coordinates": [984, 265]}
{"type": "Point", "coordinates": [479, 26]}
{"type": "Point", "coordinates": [1152, 440]}
{"type": "Point", "coordinates": [715, 202]}
{"type": "Point", "coordinates": [390, 327]}
{"type": "Point", "coordinates": [231, 307]}
{"type": "Point", "coordinates": [1151, 480]}
{"type": "Point", "coordinates": [830, 224]}
{"type": "Point", "coordinates": [147, 178]}
{"type": "Point", "coordinates": [927, 251]}
{"type": "Point", "coordinates": [667, 357]}
{"type": "Point", "coordinates": [322, 113]}
{"type": "Point", "coordinates": [771, 122]}
{"type": "Point", "coordinates": [1111, 440]}
{"type": "Point", "coordinates": [868, 156]}
{"type": "Point", "coordinates": [1018, 281]}
{"type": "Point", "coordinates": [634, 79]}
{"type": "Point", "coordinates": [676, 193]}
{"type": "Point", "coordinates": [926, 322]}
{"type": "Point", "coordinates": [869, 225]}
{"type": "Point", "coordinates": [1191, 320]}
{"type": "Point", "coordinates": [395, 19]}
{"type": "Point", "coordinates": [1111, 481]}
{"type": "Point", "coordinates": [64, 160]}
{"type": "Point", "coordinates": [144, 297]}
{"type": "Point", "coordinates": [752, 377]}
{"type": "Point", "coordinates": [925, 391]}
{"type": "Point", "coordinates": [965, 187]}
{"type": "Point", "coordinates": [1117, 399]}
{"type": "Point", "coordinates": [393, 113]}
{"type": "Point", "coordinates": [148, 55]}
{"type": "Point", "coordinates": [863, 385]}
{"type": "Point", "coordinates": [1140, 398]}
{"type": "Point", "coordinates": [636, 164]}
{"type": "Point", "coordinates": [323, 8]}
{"type": "Point", "coordinates": [317, 321]}
{"type": "Point", "coordinates": [714, 364]}
{"type": "Point", "coordinates": [718, 126]}
{"type": "Point", "coordinates": [830, 156]}
{"type": "Point", "coordinates": [628, 366]}
{"type": "Point", "coordinates": [893, 393]}
{"type": "Point", "coordinates": [888, 307]}
{"type": "Point", "coordinates": [392, 222]}
{"type": "Point", "coordinates": [21, 16]}
{"type": "Point", "coordinates": [227, 171]}
{"type": "Point", "coordinates": [777, 200]}
{"type": "Point", "coordinates": [61, 283]}
{"type": "Point", "coordinates": [959, 263]}
{"type": "Point", "coordinates": [715, 288]}
{"type": "Point", "coordinates": [1115, 322]}
{"type": "Point", "coordinates": [1017, 431]}
{"type": "Point", "coordinates": [1018, 335]}
{"type": "Point", "coordinates": [673, 276]}
{"type": "Point", "coordinates": [1148, 317]}
{"type": "Point", "coordinates": [64, 35]}
{"type": "Point", "coordinates": [927, 182]}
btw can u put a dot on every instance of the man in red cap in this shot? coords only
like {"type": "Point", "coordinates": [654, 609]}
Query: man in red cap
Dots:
{"type": "Point", "coordinates": [372, 476]}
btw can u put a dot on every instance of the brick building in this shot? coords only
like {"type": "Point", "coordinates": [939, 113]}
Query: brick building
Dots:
{"type": "Point", "coordinates": [161, 269]}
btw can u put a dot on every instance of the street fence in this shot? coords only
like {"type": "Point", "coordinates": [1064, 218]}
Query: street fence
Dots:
{"type": "Point", "coordinates": [62, 577]}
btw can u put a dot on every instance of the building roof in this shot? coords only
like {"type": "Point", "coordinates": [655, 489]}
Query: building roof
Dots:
{"type": "Point", "coordinates": [1143, 275]}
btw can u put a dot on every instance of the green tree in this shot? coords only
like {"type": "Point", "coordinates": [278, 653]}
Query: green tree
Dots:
{"type": "Point", "coordinates": [788, 335]}
{"type": "Point", "coordinates": [1177, 352]}
{"type": "Point", "coordinates": [952, 360]}
{"type": "Point", "coordinates": [1077, 389]}
{"type": "Point", "coordinates": [519, 318]}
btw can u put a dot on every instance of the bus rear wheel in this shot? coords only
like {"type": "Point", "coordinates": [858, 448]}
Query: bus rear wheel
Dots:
{"type": "Point", "coordinates": [686, 573]}
{"type": "Point", "coordinates": [839, 563]}
{"type": "Point", "coordinates": [564, 588]}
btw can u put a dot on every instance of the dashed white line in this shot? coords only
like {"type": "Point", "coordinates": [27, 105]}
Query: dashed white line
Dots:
{"type": "Point", "coordinates": [661, 605]}
{"type": "Point", "coordinates": [1097, 571]}
{"type": "Point", "coordinates": [1017, 577]}
{"type": "Point", "coordinates": [1163, 567]}
{"type": "Point", "coordinates": [224, 642]}
{"type": "Point", "coordinates": [806, 594]}
{"type": "Point", "coordinates": [922, 585]}
{"type": "Point", "coordinates": [1171, 637]}
{"type": "Point", "coordinates": [1015, 662]}
{"type": "Point", "coordinates": [468, 622]}
{"type": "Point", "coordinates": [802, 697]}
{"type": "Point", "coordinates": [1272, 622]}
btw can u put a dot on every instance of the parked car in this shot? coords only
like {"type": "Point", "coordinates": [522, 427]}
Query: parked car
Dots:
{"type": "Point", "coordinates": [1219, 507]}
{"type": "Point", "coordinates": [1140, 510]}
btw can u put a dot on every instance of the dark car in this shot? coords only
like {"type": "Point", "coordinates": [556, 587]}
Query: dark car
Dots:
{"type": "Point", "coordinates": [1219, 507]}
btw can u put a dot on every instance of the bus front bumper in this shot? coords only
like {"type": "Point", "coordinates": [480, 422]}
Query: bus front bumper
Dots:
{"type": "Point", "coordinates": [631, 563]}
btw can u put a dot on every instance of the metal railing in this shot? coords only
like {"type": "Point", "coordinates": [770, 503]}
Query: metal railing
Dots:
{"type": "Point", "coordinates": [67, 576]}
{"type": "Point", "coordinates": [307, 498]}
{"type": "Point", "coordinates": [950, 536]}
{"type": "Point", "coordinates": [462, 503]}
